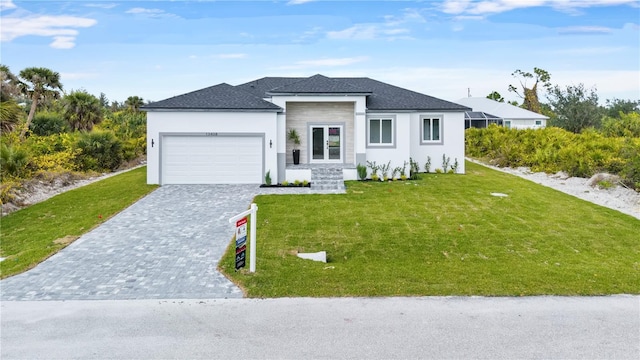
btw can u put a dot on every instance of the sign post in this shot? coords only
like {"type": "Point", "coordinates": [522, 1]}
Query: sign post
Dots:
{"type": "Point", "coordinates": [240, 221]}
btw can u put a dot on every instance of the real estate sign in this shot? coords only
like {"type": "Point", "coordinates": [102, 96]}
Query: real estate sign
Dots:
{"type": "Point", "coordinates": [241, 242]}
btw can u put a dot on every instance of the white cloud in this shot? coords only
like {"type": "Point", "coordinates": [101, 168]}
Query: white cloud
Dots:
{"type": "Point", "coordinates": [63, 42]}
{"type": "Point", "coordinates": [299, 2]}
{"type": "Point", "coordinates": [585, 30]}
{"type": "Point", "coordinates": [139, 10]}
{"type": "Point", "coordinates": [101, 5]}
{"type": "Point", "coordinates": [60, 28]}
{"type": "Point", "coordinates": [6, 5]}
{"type": "Point", "coordinates": [151, 13]}
{"type": "Point", "coordinates": [356, 32]}
{"type": "Point", "coordinates": [367, 32]}
{"type": "Point", "coordinates": [590, 51]}
{"type": "Point", "coordinates": [498, 6]}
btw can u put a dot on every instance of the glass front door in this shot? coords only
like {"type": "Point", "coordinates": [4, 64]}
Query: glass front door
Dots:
{"type": "Point", "coordinates": [326, 144]}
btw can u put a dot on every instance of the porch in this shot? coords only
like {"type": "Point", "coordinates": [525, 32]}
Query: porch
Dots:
{"type": "Point", "coordinates": [322, 176]}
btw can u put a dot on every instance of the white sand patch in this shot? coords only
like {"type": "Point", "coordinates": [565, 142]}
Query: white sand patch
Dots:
{"type": "Point", "coordinates": [619, 198]}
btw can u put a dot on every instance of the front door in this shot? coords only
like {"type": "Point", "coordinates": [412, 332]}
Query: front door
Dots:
{"type": "Point", "coordinates": [326, 144]}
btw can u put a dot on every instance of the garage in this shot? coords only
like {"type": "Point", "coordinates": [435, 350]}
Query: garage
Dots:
{"type": "Point", "coordinates": [211, 159]}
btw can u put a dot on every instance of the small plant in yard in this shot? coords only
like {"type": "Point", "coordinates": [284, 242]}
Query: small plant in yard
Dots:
{"type": "Point", "coordinates": [403, 171]}
{"type": "Point", "coordinates": [445, 163]}
{"type": "Point", "coordinates": [455, 166]}
{"type": "Point", "coordinates": [374, 170]}
{"type": "Point", "coordinates": [285, 183]}
{"type": "Point", "coordinates": [605, 184]}
{"type": "Point", "coordinates": [267, 178]}
{"type": "Point", "coordinates": [362, 171]}
{"type": "Point", "coordinates": [305, 183]}
{"type": "Point", "coordinates": [427, 165]}
{"type": "Point", "coordinates": [297, 183]}
{"type": "Point", "coordinates": [395, 172]}
{"type": "Point", "coordinates": [439, 171]}
{"type": "Point", "coordinates": [384, 169]}
{"type": "Point", "coordinates": [414, 169]}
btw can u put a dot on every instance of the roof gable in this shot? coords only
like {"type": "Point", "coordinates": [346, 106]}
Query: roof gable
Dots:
{"type": "Point", "coordinates": [318, 84]}
{"type": "Point", "coordinates": [500, 109]}
{"type": "Point", "coordinates": [220, 97]}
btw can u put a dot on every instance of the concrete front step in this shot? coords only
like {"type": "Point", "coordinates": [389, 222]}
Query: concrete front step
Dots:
{"type": "Point", "coordinates": [327, 179]}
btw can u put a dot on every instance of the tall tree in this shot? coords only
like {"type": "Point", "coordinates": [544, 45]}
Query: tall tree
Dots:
{"type": "Point", "coordinates": [530, 95]}
{"type": "Point", "coordinates": [495, 96]}
{"type": "Point", "coordinates": [616, 106]}
{"type": "Point", "coordinates": [134, 102]}
{"type": "Point", "coordinates": [10, 112]}
{"type": "Point", "coordinates": [10, 88]}
{"type": "Point", "coordinates": [575, 108]}
{"type": "Point", "coordinates": [82, 110]}
{"type": "Point", "coordinates": [43, 83]}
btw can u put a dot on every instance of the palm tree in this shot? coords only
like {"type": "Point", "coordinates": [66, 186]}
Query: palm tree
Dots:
{"type": "Point", "coordinates": [134, 103]}
{"type": "Point", "coordinates": [82, 110]}
{"type": "Point", "coordinates": [11, 85]}
{"type": "Point", "coordinates": [10, 111]}
{"type": "Point", "coordinates": [43, 83]}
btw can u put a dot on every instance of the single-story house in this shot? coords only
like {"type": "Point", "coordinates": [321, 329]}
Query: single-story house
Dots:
{"type": "Point", "coordinates": [238, 134]}
{"type": "Point", "coordinates": [512, 116]}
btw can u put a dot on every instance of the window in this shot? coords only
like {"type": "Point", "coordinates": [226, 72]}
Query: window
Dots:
{"type": "Point", "coordinates": [507, 124]}
{"type": "Point", "coordinates": [431, 130]}
{"type": "Point", "coordinates": [380, 131]}
{"type": "Point", "coordinates": [538, 122]}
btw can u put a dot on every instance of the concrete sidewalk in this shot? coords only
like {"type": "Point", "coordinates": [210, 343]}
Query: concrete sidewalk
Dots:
{"type": "Point", "coordinates": [343, 328]}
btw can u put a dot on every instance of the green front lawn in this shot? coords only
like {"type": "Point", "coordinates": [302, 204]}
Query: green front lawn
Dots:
{"type": "Point", "coordinates": [33, 234]}
{"type": "Point", "coordinates": [442, 235]}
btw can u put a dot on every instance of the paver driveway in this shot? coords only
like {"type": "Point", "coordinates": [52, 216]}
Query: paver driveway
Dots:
{"type": "Point", "coordinates": [166, 246]}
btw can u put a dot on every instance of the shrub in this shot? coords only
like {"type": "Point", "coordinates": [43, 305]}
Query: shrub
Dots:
{"type": "Point", "coordinates": [13, 161]}
{"type": "Point", "coordinates": [99, 150]}
{"type": "Point", "coordinates": [48, 123]}
{"type": "Point", "coordinates": [362, 171]}
{"type": "Point", "coordinates": [267, 178]}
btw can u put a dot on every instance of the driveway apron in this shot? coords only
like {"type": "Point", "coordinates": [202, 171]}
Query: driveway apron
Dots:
{"type": "Point", "coordinates": [165, 246]}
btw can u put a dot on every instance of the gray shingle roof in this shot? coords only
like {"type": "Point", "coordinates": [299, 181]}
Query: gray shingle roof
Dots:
{"type": "Point", "coordinates": [249, 96]}
{"type": "Point", "coordinates": [318, 84]}
{"type": "Point", "coordinates": [219, 97]}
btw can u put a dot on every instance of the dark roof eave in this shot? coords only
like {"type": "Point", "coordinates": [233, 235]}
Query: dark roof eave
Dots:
{"type": "Point", "coordinates": [167, 109]}
{"type": "Point", "coordinates": [416, 110]}
{"type": "Point", "coordinates": [318, 94]}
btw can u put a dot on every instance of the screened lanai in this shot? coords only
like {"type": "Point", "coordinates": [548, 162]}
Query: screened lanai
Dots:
{"type": "Point", "coordinates": [479, 119]}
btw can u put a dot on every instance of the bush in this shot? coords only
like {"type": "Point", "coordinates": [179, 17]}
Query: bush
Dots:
{"type": "Point", "coordinates": [99, 150]}
{"type": "Point", "coordinates": [48, 123]}
{"type": "Point", "coordinates": [54, 152]}
{"type": "Point", "coordinates": [553, 149]}
{"type": "Point", "coordinates": [13, 161]}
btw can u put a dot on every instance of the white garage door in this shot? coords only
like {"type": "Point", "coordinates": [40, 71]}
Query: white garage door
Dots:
{"type": "Point", "coordinates": [211, 160]}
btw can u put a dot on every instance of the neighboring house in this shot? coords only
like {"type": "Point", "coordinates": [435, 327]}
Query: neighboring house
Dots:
{"type": "Point", "coordinates": [236, 134]}
{"type": "Point", "coordinates": [512, 116]}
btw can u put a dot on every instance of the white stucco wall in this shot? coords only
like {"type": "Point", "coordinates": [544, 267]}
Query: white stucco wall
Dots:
{"type": "Point", "coordinates": [527, 123]}
{"type": "Point", "coordinates": [408, 142]}
{"type": "Point", "coordinates": [200, 122]}
{"type": "Point", "coordinates": [452, 141]}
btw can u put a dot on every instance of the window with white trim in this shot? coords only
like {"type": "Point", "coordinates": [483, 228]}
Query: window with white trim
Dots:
{"type": "Point", "coordinates": [538, 122]}
{"type": "Point", "coordinates": [431, 129]}
{"type": "Point", "coordinates": [380, 131]}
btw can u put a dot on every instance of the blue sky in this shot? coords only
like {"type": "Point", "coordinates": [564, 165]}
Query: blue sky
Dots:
{"type": "Point", "coordinates": [158, 49]}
